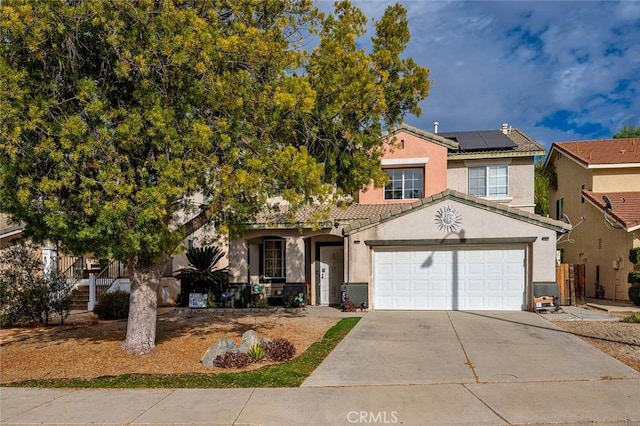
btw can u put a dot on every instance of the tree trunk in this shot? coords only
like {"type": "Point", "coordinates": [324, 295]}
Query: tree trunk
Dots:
{"type": "Point", "coordinates": [144, 276]}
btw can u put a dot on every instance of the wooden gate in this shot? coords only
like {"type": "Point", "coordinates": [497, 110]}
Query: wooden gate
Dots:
{"type": "Point", "coordinates": [571, 279]}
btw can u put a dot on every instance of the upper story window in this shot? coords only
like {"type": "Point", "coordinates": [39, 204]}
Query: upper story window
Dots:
{"type": "Point", "coordinates": [273, 258]}
{"type": "Point", "coordinates": [489, 181]}
{"type": "Point", "coordinates": [404, 184]}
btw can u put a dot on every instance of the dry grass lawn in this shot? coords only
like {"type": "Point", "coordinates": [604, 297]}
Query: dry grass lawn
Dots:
{"type": "Point", "coordinates": [85, 347]}
{"type": "Point", "coordinates": [617, 339]}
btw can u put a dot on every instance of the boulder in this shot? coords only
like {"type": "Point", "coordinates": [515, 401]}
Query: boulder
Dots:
{"type": "Point", "coordinates": [249, 339]}
{"type": "Point", "coordinates": [220, 347]}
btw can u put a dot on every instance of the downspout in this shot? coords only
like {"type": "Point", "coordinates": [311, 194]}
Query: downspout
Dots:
{"type": "Point", "coordinates": [348, 257]}
{"type": "Point", "coordinates": [529, 284]}
{"type": "Point", "coordinates": [248, 263]}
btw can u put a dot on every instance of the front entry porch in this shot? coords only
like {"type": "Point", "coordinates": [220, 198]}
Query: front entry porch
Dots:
{"type": "Point", "coordinates": [310, 260]}
{"type": "Point", "coordinates": [329, 274]}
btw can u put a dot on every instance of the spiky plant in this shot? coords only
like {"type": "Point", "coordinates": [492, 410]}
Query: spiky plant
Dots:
{"type": "Point", "coordinates": [256, 352]}
{"type": "Point", "coordinates": [202, 276]}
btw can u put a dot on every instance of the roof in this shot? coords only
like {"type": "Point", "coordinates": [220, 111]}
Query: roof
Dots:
{"type": "Point", "coordinates": [602, 152]}
{"type": "Point", "coordinates": [356, 217]}
{"type": "Point", "coordinates": [428, 136]}
{"type": "Point", "coordinates": [478, 140]}
{"type": "Point", "coordinates": [9, 228]}
{"type": "Point", "coordinates": [279, 216]}
{"type": "Point", "coordinates": [525, 146]}
{"type": "Point", "coordinates": [450, 194]}
{"type": "Point", "coordinates": [626, 212]}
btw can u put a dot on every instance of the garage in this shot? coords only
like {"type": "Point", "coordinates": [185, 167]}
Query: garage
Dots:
{"type": "Point", "coordinates": [449, 278]}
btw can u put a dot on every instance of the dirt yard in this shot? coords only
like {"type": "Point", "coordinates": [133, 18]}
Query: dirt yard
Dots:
{"type": "Point", "coordinates": [619, 340]}
{"type": "Point", "coordinates": [86, 347]}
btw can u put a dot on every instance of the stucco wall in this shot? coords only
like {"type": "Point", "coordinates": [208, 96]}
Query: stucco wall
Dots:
{"type": "Point", "coordinates": [238, 250]}
{"type": "Point", "coordinates": [407, 146]}
{"type": "Point", "coordinates": [521, 178]}
{"type": "Point", "coordinates": [620, 179]}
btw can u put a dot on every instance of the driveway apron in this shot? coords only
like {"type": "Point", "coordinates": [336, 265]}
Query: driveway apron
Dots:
{"type": "Point", "coordinates": [413, 348]}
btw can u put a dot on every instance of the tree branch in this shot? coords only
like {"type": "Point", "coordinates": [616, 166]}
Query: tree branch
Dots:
{"type": "Point", "coordinates": [196, 223]}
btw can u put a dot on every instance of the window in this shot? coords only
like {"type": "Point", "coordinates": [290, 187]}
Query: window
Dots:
{"type": "Point", "coordinates": [273, 258]}
{"type": "Point", "coordinates": [559, 208]}
{"type": "Point", "coordinates": [404, 184]}
{"type": "Point", "coordinates": [491, 181]}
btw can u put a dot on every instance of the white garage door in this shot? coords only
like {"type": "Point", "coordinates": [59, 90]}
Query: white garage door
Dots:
{"type": "Point", "coordinates": [449, 279]}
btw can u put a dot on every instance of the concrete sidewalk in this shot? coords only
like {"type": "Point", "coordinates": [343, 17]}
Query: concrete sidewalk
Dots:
{"type": "Point", "coordinates": [606, 401]}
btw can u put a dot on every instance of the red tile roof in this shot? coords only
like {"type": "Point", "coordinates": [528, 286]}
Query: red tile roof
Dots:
{"type": "Point", "coordinates": [602, 151]}
{"type": "Point", "coordinates": [626, 212]}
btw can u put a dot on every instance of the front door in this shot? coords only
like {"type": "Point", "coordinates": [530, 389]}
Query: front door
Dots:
{"type": "Point", "coordinates": [331, 271]}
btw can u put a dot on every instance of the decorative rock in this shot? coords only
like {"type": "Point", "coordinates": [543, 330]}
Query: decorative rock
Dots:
{"type": "Point", "coordinates": [220, 347]}
{"type": "Point", "coordinates": [249, 339]}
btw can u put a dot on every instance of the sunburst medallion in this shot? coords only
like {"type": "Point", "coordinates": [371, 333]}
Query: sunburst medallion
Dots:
{"type": "Point", "coordinates": [448, 219]}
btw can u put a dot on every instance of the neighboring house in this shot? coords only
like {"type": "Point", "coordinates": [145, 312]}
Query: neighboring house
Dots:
{"type": "Point", "coordinates": [452, 229]}
{"type": "Point", "coordinates": [111, 275]}
{"type": "Point", "coordinates": [587, 172]}
{"type": "Point", "coordinates": [9, 231]}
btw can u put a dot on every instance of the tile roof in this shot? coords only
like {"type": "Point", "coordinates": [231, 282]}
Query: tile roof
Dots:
{"type": "Point", "coordinates": [359, 216]}
{"type": "Point", "coordinates": [450, 194]}
{"type": "Point", "coordinates": [602, 151]}
{"type": "Point", "coordinates": [525, 145]}
{"type": "Point", "coordinates": [626, 212]}
{"type": "Point", "coordinates": [281, 214]}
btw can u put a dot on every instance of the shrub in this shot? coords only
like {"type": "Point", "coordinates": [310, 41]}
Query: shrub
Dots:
{"type": "Point", "coordinates": [633, 318]}
{"type": "Point", "coordinates": [262, 303]}
{"type": "Point", "coordinates": [27, 294]}
{"type": "Point", "coordinates": [114, 305]}
{"type": "Point", "coordinates": [232, 360]}
{"type": "Point", "coordinates": [634, 255]}
{"type": "Point", "coordinates": [202, 275]}
{"type": "Point", "coordinates": [256, 352]}
{"type": "Point", "coordinates": [634, 294]}
{"type": "Point", "coordinates": [279, 350]}
{"type": "Point", "coordinates": [633, 277]}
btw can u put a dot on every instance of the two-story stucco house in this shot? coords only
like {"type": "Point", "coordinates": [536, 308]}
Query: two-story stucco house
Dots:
{"type": "Point", "coordinates": [453, 229]}
{"type": "Point", "coordinates": [590, 174]}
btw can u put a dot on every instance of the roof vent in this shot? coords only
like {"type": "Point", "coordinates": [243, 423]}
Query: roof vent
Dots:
{"type": "Point", "coordinates": [435, 127]}
{"type": "Point", "coordinates": [505, 128]}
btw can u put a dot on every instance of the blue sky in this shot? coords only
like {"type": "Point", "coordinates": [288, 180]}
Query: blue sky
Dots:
{"type": "Point", "coordinates": [557, 70]}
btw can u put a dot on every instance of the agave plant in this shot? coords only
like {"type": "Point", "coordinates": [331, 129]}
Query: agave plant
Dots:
{"type": "Point", "coordinates": [256, 352]}
{"type": "Point", "coordinates": [202, 276]}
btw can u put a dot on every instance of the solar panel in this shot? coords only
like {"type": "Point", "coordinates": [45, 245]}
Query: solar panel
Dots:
{"type": "Point", "coordinates": [480, 140]}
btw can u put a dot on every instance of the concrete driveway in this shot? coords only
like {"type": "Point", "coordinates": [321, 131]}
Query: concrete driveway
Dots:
{"type": "Point", "coordinates": [417, 348]}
